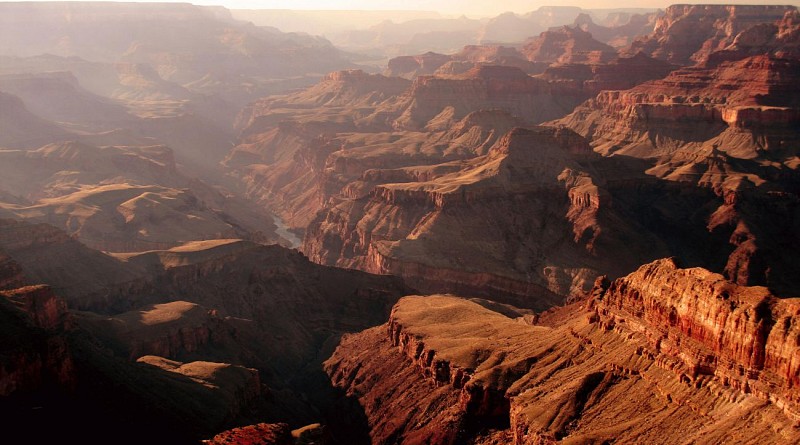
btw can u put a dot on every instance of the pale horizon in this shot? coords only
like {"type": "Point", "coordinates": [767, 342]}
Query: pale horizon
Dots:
{"type": "Point", "coordinates": [449, 7]}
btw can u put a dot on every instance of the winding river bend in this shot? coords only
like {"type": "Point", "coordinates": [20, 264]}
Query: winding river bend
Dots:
{"type": "Point", "coordinates": [283, 232]}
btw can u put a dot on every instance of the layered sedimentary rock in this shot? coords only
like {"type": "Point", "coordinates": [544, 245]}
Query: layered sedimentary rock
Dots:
{"type": "Point", "coordinates": [454, 231]}
{"type": "Point", "coordinates": [687, 34]}
{"type": "Point", "coordinates": [619, 73]}
{"type": "Point", "coordinates": [412, 66]}
{"type": "Point", "coordinates": [174, 329]}
{"type": "Point", "coordinates": [510, 27]}
{"type": "Point", "coordinates": [295, 154]}
{"type": "Point", "coordinates": [682, 353]}
{"type": "Point", "coordinates": [780, 39]}
{"type": "Point", "coordinates": [177, 73]}
{"type": "Point", "coordinates": [620, 29]}
{"type": "Point", "coordinates": [225, 391]}
{"type": "Point", "coordinates": [725, 128]}
{"type": "Point", "coordinates": [745, 107]}
{"type": "Point", "coordinates": [245, 348]}
{"type": "Point", "coordinates": [43, 254]}
{"type": "Point", "coordinates": [567, 45]}
{"type": "Point", "coordinates": [303, 152]}
{"type": "Point", "coordinates": [259, 434]}
{"type": "Point", "coordinates": [122, 198]}
{"type": "Point", "coordinates": [482, 87]}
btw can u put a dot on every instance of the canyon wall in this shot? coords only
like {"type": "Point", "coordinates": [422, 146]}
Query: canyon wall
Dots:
{"type": "Point", "coordinates": [687, 34]}
{"type": "Point", "coordinates": [459, 231]}
{"type": "Point", "coordinates": [682, 353]}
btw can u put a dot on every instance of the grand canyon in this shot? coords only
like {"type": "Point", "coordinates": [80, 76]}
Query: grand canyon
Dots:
{"type": "Point", "coordinates": [272, 226]}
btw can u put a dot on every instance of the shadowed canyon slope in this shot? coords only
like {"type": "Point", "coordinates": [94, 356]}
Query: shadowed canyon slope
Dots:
{"type": "Point", "coordinates": [680, 354]}
{"type": "Point", "coordinates": [244, 348]}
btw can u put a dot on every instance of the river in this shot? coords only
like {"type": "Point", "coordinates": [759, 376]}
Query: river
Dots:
{"type": "Point", "coordinates": [283, 232]}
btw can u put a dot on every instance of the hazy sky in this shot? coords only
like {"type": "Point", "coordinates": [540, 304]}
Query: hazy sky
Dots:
{"type": "Point", "coordinates": [471, 7]}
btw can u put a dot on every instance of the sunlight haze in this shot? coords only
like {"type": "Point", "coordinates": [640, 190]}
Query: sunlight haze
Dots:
{"type": "Point", "coordinates": [457, 7]}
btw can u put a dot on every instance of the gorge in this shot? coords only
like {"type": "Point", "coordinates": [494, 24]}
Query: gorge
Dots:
{"type": "Point", "coordinates": [560, 226]}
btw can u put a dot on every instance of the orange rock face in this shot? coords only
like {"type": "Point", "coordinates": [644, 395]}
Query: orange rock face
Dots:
{"type": "Point", "coordinates": [682, 353]}
{"type": "Point", "coordinates": [743, 336]}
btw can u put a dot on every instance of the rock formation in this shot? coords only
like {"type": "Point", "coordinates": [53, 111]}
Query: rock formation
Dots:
{"type": "Point", "coordinates": [723, 128]}
{"type": "Point", "coordinates": [510, 27]}
{"type": "Point", "coordinates": [567, 45]}
{"type": "Point", "coordinates": [484, 173]}
{"type": "Point", "coordinates": [448, 232]}
{"type": "Point", "coordinates": [260, 434]}
{"type": "Point", "coordinates": [682, 353]}
{"type": "Point", "coordinates": [21, 128]}
{"type": "Point", "coordinates": [687, 34]}
{"type": "Point", "coordinates": [295, 154]}
{"type": "Point", "coordinates": [43, 254]}
{"type": "Point", "coordinates": [244, 348]}
{"type": "Point", "coordinates": [59, 97]}
{"type": "Point", "coordinates": [483, 87]}
{"type": "Point", "coordinates": [561, 45]}
{"type": "Point", "coordinates": [122, 198]}
{"type": "Point", "coordinates": [35, 356]}
{"type": "Point", "coordinates": [621, 28]}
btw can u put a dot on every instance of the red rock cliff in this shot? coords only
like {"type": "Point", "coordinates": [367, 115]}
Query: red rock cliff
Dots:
{"type": "Point", "coordinates": [681, 353]}
{"type": "Point", "coordinates": [743, 336]}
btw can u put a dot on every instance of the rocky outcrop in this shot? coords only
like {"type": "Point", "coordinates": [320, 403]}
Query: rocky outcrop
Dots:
{"type": "Point", "coordinates": [654, 117]}
{"type": "Point", "coordinates": [46, 310]}
{"type": "Point", "coordinates": [510, 27]}
{"type": "Point", "coordinates": [721, 127]}
{"type": "Point", "coordinates": [482, 87]}
{"type": "Point", "coordinates": [743, 336]}
{"type": "Point", "coordinates": [172, 361]}
{"type": "Point", "coordinates": [455, 232]}
{"type": "Point", "coordinates": [228, 391]}
{"type": "Point", "coordinates": [618, 74]}
{"type": "Point", "coordinates": [172, 330]}
{"type": "Point", "coordinates": [619, 29]}
{"type": "Point", "coordinates": [123, 198]}
{"type": "Point", "coordinates": [297, 166]}
{"type": "Point", "coordinates": [58, 97]}
{"type": "Point", "coordinates": [684, 354]}
{"type": "Point", "coordinates": [470, 56]}
{"type": "Point", "coordinates": [687, 34]}
{"type": "Point", "coordinates": [567, 45]}
{"type": "Point", "coordinates": [259, 434]}
{"type": "Point", "coordinates": [48, 255]}
{"type": "Point", "coordinates": [716, 126]}
{"type": "Point", "coordinates": [413, 66]}
{"type": "Point", "coordinates": [35, 356]}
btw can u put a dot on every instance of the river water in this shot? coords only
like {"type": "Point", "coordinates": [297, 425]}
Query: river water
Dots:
{"type": "Point", "coordinates": [284, 233]}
